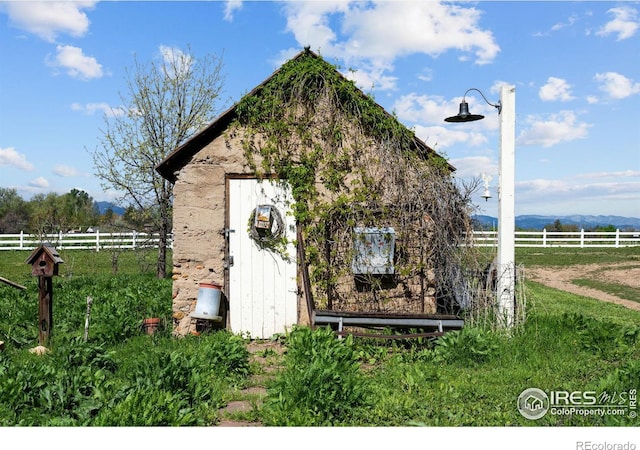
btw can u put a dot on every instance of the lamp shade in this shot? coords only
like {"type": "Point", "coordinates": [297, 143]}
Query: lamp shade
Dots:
{"type": "Point", "coordinates": [464, 115]}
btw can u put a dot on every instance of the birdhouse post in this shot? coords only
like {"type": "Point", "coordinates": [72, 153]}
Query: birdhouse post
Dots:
{"type": "Point", "coordinates": [44, 262]}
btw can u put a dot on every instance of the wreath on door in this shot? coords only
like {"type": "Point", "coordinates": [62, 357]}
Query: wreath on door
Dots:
{"type": "Point", "coordinates": [267, 228]}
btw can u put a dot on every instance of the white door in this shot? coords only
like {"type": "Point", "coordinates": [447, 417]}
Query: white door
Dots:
{"type": "Point", "coordinates": [262, 282]}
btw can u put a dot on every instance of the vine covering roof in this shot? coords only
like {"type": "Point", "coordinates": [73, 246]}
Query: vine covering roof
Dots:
{"type": "Point", "coordinates": [179, 157]}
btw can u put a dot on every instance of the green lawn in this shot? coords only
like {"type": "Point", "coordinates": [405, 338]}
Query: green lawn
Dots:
{"type": "Point", "coordinates": [572, 256]}
{"type": "Point", "coordinates": [468, 378]}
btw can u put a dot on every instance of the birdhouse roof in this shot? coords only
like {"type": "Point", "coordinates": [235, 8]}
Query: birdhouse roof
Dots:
{"type": "Point", "coordinates": [50, 251]}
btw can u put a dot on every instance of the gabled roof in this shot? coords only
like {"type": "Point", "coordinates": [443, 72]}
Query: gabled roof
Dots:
{"type": "Point", "coordinates": [49, 249]}
{"type": "Point", "coordinates": [178, 158]}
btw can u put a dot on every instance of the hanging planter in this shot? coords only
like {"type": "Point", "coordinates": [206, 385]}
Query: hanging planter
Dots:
{"type": "Point", "coordinates": [150, 325]}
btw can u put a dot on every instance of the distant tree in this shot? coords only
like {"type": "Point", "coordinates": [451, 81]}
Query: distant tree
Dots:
{"type": "Point", "coordinates": [167, 102]}
{"type": "Point", "coordinates": [79, 209]}
{"type": "Point", "coordinates": [14, 211]}
{"type": "Point", "coordinates": [51, 213]}
{"type": "Point", "coordinates": [46, 214]}
{"type": "Point", "coordinates": [108, 218]}
{"type": "Point", "coordinates": [559, 226]}
{"type": "Point", "coordinates": [607, 228]}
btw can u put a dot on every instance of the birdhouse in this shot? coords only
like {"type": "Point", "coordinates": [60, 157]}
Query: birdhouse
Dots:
{"type": "Point", "coordinates": [44, 261]}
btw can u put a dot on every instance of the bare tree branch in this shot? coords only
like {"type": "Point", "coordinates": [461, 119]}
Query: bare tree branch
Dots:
{"type": "Point", "coordinates": [167, 102]}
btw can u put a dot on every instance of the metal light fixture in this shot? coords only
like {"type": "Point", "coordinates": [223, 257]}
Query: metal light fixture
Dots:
{"type": "Point", "coordinates": [464, 115]}
{"type": "Point", "coordinates": [505, 289]}
{"type": "Point", "coordinates": [486, 179]}
{"type": "Point", "coordinates": [486, 195]}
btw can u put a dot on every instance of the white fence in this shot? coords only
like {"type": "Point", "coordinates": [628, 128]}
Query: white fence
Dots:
{"type": "Point", "coordinates": [132, 240]}
{"type": "Point", "coordinates": [81, 241]}
{"type": "Point", "coordinates": [581, 239]}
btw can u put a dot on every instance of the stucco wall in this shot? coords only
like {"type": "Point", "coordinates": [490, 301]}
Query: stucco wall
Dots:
{"type": "Point", "coordinates": [199, 240]}
{"type": "Point", "coordinates": [199, 222]}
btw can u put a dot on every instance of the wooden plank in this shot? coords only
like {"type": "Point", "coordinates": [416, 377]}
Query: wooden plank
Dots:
{"type": "Point", "coordinates": [306, 283]}
{"type": "Point", "coordinates": [13, 284]}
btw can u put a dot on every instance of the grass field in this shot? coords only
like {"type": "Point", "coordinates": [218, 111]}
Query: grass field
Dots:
{"type": "Point", "coordinates": [556, 257]}
{"type": "Point", "coordinates": [467, 378]}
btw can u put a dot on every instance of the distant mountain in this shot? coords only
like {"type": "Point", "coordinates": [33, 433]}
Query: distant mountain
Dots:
{"type": "Point", "coordinates": [533, 222]}
{"type": "Point", "coordinates": [104, 206]}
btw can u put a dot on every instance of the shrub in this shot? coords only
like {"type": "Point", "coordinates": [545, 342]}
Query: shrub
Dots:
{"type": "Point", "coordinates": [468, 346]}
{"type": "Point", "coordinates": [321, 383]}
{"type": "Point", "coordinates": [608, 340]}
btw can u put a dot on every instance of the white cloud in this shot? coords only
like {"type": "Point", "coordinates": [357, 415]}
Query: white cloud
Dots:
{"type": "Point", "coordinates": [373, 34]}
{"type": "Point", "coordinates": [475, 166]}
{"type": "Point", "coordinates": [625, 23]}
{"type": "Point", "coordinates": [560, 127]}
{"type": "Point", "coordinates": [76, 63]}
{"type": "Point", "coordinates": [556, 89]}
{"type": "Point", "coordinates": [560, 25]}
{"type": "Point", "coordinates": [425, 75]}
{"type": "Point", "coordinates": [432, 109]}
{"type": "Point", "coordinates": [617, 85]}
{"type": "Point", "coordinates": [65, 171]}
{"type": "Point", "coordinates": [373, 76]}
{"type": "Point", "coordinates": [230, 6]}
{"type": "Point", "coordinates": [620, 174]}
{"type": "Point", "coordinates": [429, 112]}
{"type": "Point", "coordinates": [423, 108]}
{"type": "Point", "coordinates": [47, 19]}
{"type": "Point", "coordinates": [563, 189]}
{"type": "Point", "coordinates": [438, 137]}
{"type": "Point", "coordinates": [91, 108]}
{"type": "Point", "coordinates": [39, 183]}
{"type": "Point", "coordinates": [10, 157]}
{"type": "Point", "coordinates": [175, 60]}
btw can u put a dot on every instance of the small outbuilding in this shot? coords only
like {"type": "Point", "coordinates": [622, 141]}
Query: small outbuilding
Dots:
{"type": "Point", "coordinates": [307, 200]}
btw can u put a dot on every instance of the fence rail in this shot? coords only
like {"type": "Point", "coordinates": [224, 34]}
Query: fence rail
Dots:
{"type": "Point", "coordinates": [581, 239]}
{"type": "Point", "coordinates": [133, 240]}
{"type": "Point", "coordinates": [81, 241]}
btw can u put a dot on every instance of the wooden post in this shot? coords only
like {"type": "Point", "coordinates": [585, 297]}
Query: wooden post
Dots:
{"type": "Point", "coordinates": [44, 262]}
{"type": "Point", "coordinates": [45, 309]}
{"type": "Point", "coordinates": [86, 319]}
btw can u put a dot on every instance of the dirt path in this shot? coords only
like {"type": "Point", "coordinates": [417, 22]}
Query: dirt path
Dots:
{"type": "Point", "coordinates": [561, 278]}
{"type": "Point", "coordinates": [267, 357]}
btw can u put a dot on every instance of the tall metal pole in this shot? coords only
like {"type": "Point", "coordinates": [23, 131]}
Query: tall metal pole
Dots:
{"type": "Point", "coordinates": [506, 208]}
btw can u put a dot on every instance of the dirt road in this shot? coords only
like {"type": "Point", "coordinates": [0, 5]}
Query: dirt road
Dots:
{"type": "Point", "coordinates": [561, 278]}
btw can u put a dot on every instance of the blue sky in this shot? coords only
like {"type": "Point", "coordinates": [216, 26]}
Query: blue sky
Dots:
{"type": "Point", "coordinates": [574, 66]}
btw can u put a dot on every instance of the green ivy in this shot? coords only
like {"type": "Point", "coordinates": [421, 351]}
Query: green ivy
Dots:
{"type": "Point", "coordinates": [312, 127]}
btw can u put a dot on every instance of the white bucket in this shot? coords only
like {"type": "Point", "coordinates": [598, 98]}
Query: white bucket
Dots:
{"type": "Point", "coordinates": [208, 302]}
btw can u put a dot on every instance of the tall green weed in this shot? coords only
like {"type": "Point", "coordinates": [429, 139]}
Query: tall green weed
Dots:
{"type": "Point", "coordinates": [321, 383]}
